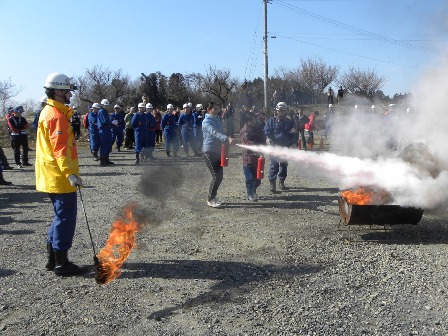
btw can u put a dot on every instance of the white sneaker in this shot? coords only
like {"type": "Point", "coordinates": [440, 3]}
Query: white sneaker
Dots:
{"type": "Point", "coordinates": [214, 203]}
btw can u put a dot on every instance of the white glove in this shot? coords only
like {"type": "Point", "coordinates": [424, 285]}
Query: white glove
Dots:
{"type": "Point", "coordinates": [115, 122]}
{"type": "Point", "coordinates": [200, 117]}
{"type": "Point", "coordinates": [74, 180]}
{"type": "Point", "coordinates": [269, 142]}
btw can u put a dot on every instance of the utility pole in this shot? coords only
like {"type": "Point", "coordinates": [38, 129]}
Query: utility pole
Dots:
{"type": "Point", "coordinates": [265, 55]}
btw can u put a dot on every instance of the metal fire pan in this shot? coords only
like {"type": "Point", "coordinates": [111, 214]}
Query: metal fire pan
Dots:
{"type": "Point", "coordinates": [353, 214]}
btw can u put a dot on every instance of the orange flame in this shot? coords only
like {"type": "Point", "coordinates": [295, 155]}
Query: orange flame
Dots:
{"type": "Point", "coordinates": [119, 245]}
{"type": "Point", "coordinates": [365, 196]}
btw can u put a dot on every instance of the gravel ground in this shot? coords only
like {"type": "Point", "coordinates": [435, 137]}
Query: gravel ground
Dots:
{"type": "Point", "coordinates": [279, 266]}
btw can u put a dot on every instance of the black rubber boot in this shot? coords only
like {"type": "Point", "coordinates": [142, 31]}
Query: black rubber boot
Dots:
{"type": "Point", "coordinates": [51, 262]}
{"type": "Point", "coordinates": [137, 158]}
{"type": "Point", "coordinates": [272, 186]}
{"type": "Point", "coordinates": [109, 162]}
{"type": "Point", "coordinates": [2, 180]}
{"type": "Point", "coordinates": [168, 153]}
{"type": "Point", "coordinates": [119, 149]}
{"type": "Point", "coordinates": [103, 161]}
{"type": "Point", "coordinates": [95, 155]}
{"type": "Point", "coordinates": [64, 267]}
{"type": "Point", "coordinates": [282, 185]}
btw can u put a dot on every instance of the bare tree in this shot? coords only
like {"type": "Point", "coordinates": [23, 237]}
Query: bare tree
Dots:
{"type": "Point", "coordinates": [362, 82]}
{"type": "Point", "coordinates": [8, 90]}
{"type": "Point", "coordinates": [315, 75]}
{"type": "Point", "coordinates": [218, 83]}
{"type": "Point", "coordinates": [99, 83]}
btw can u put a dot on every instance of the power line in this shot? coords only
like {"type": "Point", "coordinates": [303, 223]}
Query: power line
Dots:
{"type": "Point", "coordinates": [351, 28]}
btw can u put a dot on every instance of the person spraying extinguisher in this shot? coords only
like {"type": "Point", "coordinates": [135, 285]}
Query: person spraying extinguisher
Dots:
{"type": "Point", "coordinates": [253, 164]}
{"type": "Point", "coordinates": [213, 138]}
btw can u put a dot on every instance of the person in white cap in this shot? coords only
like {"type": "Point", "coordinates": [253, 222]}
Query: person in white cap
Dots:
{"type": "Point", "coordinates": [169, 128]}
{"type": "Point", "coordinates": [57, 172]}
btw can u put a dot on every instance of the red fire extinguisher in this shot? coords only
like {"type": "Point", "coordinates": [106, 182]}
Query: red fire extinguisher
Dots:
{"type": "Point", "coordinates": [224, 155]}
{"type": "Point", "coordinates": [260, 168]}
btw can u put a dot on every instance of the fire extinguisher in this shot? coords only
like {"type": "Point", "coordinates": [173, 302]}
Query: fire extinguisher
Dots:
{"type": "Point", "coordinates": [260, 168]}
{"type": "Point", "coordinates": [224, 155]}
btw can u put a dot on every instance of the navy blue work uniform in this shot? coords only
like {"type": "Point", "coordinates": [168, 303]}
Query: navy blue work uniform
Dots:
{"type": "Point", "coordinates": [94, 134]}
{"type": "Point", "coordinates": [197, 130]}
{"type": "Point", "coordinates": [139, 124]}
{"type": "Point", "coordinates": [105, 130]}
{"type": "Point", "coordinates": [186, 123]}
{"type": "Point", "coordinates": [150, 133]}
{"type": "Point", "coordinates": [278, 131]}
{"type": "Point", "coordinates": [170, 133]}
{"type": "Point", "coordinates": [118, 130]}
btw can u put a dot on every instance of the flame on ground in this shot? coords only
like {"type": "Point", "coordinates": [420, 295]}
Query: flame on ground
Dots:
{"type": "Point", "coordinates": [366, 196]}
{"type": "Point", "coordinates": [118, 246]}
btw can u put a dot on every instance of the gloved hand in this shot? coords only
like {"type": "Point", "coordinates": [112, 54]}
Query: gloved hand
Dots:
{"type": "Point", "coordinates": [269, 142]}
{"type": "Point", "coordinates": [115, 122]}
{"type": "Point", "coordinates": [74, 180]}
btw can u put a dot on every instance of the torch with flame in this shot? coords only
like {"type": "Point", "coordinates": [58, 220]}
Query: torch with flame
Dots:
{"type": "Point", "coordinates": [118, 246]}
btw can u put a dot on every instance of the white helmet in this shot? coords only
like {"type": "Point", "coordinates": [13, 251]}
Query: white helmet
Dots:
{"type": "Point", "coordinates": [58, 81]}
{"type": "Point", "coordinates": [141, 105]}
{"type": "Point", "coordinates": [185, 105]}
{"type": "Point", "coordinates": [96, 105]}
{"type": "Point", "coordinates": [149, 106]}
{"type": "Point", "coordinates": [281, 106]}
{"type": "Point", "coordinates": [190, 105]}
{"type": "Point", "coordinates": [356, 106]}
{"type": "Point", "coordinates": [330, 105]}
{"type": "Point", "coordinates": [169, 106]}
{"type": "Point", "coordinates": [373, 107]}
{"type": "Point", "coordinates": [199, 107]}
{"type": "Point", "coordinates": [105, 102]}
{"type": "Point", "coordinates": [117, 106]}
{"type": "Point", "coordinates": [43, 99]}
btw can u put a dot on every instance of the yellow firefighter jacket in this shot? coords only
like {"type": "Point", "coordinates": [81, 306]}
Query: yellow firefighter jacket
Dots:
{"type": "Point", "coordinates": [56, 153]}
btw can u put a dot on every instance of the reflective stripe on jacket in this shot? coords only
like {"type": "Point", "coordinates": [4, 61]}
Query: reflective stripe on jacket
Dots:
{"type": "Point", "coordinates": [56, 153]}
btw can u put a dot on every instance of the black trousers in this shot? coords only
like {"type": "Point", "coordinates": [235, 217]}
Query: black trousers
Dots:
{"type": "Point", "coordinates": [129, 138]}
{"type": "Point", "coordinates": [213, 161]}
{"type": "Point", "coordinates": [18, 141]}
{"type": "Point", "coordinates": [76, 130]}
{"type": "Point", "coordinates": [3, 159]}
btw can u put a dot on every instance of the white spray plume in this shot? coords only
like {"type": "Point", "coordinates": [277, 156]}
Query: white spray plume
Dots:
{"type": "Point", "coordinates": [409, 185]}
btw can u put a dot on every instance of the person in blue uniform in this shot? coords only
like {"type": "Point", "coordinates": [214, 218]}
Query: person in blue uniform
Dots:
{"type": "Point", "coordinates": [43, 103]}
{"type": "Point", "coordinates": [151, 123]}
{"type": "Point", "coordinates": [278, 130]}
{"type": "Point", "coordinates": [94, 134]}
{"type": "Point", "coordinates": [186, 123]}
{"type": "Point", "coordinates": [18, 125]}
{"type": "Point", "coordinates": [139, 124]}
{"type": "Point", "coordinates": [197, 128]}
{"type": "Point", "coordinates": [105, 130]}
{"type": "Point", "coordinates": [169, 127]}
{"type": "Point", "coordinates": [118, 129]}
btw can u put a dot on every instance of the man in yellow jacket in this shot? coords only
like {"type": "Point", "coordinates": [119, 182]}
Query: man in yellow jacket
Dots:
{"type": "Point", "coordinates": [57, 171]}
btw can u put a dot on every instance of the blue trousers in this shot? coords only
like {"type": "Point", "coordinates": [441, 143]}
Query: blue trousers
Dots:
{"type": "Point", "coordinates": [62, 230]}
{"type": "Point", "coordinates": [252, 183]}
{"type": "Point", "coordinates": [139, 139]}
{"type": "Point", "coordinates": [150, 138]}
{"type": "Point", "coordinates": [188, 140]}
{"type": "Point", "coordinates": [118, 135]}
{"type": "Point", "coordinates": [278, 169]}
{"type": "Point", "coordinates": [171, 139]}
{"type": "Point", "coordinates": [106, 141]}
{"type": "Point", "coordinates": [95, 141]}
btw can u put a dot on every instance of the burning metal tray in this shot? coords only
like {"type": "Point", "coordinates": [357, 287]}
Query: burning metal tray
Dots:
{"type": "Point", "coordinates": [353, 214]}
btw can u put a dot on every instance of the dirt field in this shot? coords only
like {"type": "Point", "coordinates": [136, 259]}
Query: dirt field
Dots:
{"type": "Point", "coordinates": [274, 267]}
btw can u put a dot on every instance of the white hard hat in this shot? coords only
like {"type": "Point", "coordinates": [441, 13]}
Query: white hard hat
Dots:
{"type": "Point", "coordinates": [141, 105]}
{"type": "Point", "coordinates": [43, 99]}
{"type": "Point", "coordinates": [199, 106]}
{"type": "Point", "coordinates": [170, 106]}
{"type": "Point", "coordinates": [74, 107]}
{"type": "Point", "coordinates": [185, 105]}
{"type": "Point", "coordinates": [105, 102]}
{"type": "Point", "coordinates": [96, 105]}
{"type": "Point", "coordinates": [117, 106]}
{"type": "Point", "coordinates": [373, 106]}
{"type": "Point", "coordinates": [58, 81]}
{"type": "Point", "coordinates": [330, 105]}
{"type": "Point", "coordinates": [149, 105]}
{"type": "Point", "coordinates": [391, 105]}
{"type": "Point", "coordinates": [281, 106]}
{"type": "Point", "coordinates": [190, 105]}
